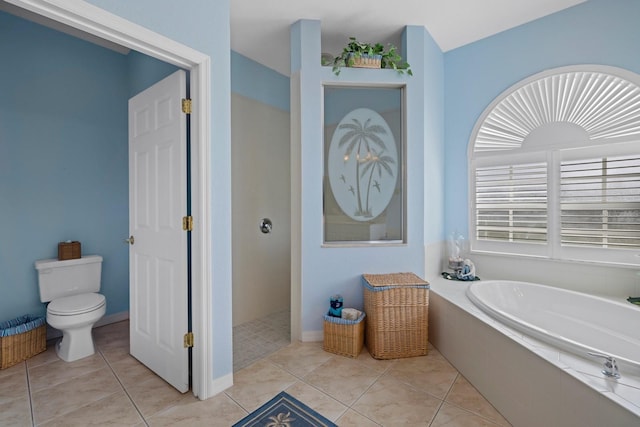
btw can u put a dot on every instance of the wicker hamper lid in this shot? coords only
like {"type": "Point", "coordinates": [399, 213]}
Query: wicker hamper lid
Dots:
{"type": "Point", "coordinates": [394, 279]}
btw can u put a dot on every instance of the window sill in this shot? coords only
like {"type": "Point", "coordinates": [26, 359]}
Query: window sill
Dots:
{"type": "Point", "coordinates": [557, 260]}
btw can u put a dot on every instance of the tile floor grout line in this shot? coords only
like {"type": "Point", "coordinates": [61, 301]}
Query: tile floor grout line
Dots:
{"type": "Point", "coordinates": [401, 382]}
{"type": "Point", "coordinates": [442, 401]}
{"type": "Point", "coordinates": [409, 384]}
{"type": "Point", "coordinates": [298, 378]}
{"type": "Point", "coordinates": [487, 419]}
{"type": "Point", "coordinates": [435, 414]}
{"type": "Point", "coordinates": [333, 356]}
{"type": "Point", "coordinates": [246, 334]}
{"type": "Point", "coordinates": [458, 375]}
{"type": "Point", "coordinates": [144, 420]}
{"type": "Point", "coordinates": [33, 417]}
{"type": "Point", "coordinates": [451, 386]}
{"type": "Point", "coordinates": [124, 389]}
{"type": "Point", "coordinates": [348, 407]}
{"type": "Point", "coordinates": [361, 414]}
{"type": "Point", "coordinates": [236, 402]}
{"type": "Point", "coordinates": [66, 413]}
{"type": "Point", "coordinates": [79, 407]}
{"type": "Point", "coordinates": [379, 371]}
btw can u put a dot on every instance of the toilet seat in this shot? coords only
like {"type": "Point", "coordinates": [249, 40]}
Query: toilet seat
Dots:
{"type": "Point", "coordinates": [76, 304]}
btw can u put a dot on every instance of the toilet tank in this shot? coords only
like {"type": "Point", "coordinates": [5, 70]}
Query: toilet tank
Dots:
{"type": "Point", "coordinates": [64, 278]}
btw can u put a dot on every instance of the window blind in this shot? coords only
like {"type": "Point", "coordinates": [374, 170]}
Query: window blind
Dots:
{"type": "Point", "coordinates": [600, 202]}
{"type": "Point", "coordinates": [511, 203]}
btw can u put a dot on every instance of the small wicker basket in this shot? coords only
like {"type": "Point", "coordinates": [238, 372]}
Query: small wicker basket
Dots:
{"type": "Point", "coordinates": [342, 336]}
{"type": "Point", "coordinates": [397, 307]}
{"type": "Point", "coordinates": [365, 61]}
{"type": "Point", "coordinates": [21, 338]}
{"type": "Point", "coordinates": [69, 250]}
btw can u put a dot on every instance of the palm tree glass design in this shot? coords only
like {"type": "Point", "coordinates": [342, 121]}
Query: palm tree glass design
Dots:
{"type": "Point", "coordinates": [363, 182]}
{"type": "Point", "coordinates": [362, 158]}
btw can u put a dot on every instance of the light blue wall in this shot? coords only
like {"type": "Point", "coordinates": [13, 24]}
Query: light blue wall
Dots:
{"type": "Point", "coordinates": [204, 25]}
{"type": "Point", "coordinates": [328, 270]}
{"type": "Point", "coordinates": [595, 32]}
{"type": "Point", "coordinates": [431, 120]}
{"type": "Point", "coordinates": [98, 162]}
{"type": "Point", "coordinates": [144, 71]}
{"type": "Point", "coordinates": [63, 160]}
{"type": "Point", "coordinates": [63, 156]}
{"type": "Point", "coordinates": [253, 80]}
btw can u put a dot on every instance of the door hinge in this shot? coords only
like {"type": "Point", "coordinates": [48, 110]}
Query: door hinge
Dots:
{"type": "Point", "coordinates": [187, 223]}
{"type": "Point", "coordinates": [188, 340]}
{"type": "Point", "coordinates": [186, 105]}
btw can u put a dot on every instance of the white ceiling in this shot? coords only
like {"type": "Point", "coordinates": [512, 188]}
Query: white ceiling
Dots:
{"type": "Point", "coordinates": [260, 28]}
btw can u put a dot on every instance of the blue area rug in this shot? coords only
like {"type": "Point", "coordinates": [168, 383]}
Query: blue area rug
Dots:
{"type": "Point", "coordinates": [284, 411]}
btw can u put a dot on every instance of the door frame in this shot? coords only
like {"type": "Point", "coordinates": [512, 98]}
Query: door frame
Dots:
{"type": "Point", "coordinates": [98, 22]}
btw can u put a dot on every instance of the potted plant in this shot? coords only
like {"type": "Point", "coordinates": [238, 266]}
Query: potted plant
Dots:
{"type": "Point", "coordinates": [367, 55]}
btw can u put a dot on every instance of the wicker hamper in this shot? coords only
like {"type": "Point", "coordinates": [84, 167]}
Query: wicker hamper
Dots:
{"type": "Point", "coordinates": [342, 336]}
{"type": "Point", "coordinates": [397, 307]}
{"type": "Point", "coordinates": [21, 338]}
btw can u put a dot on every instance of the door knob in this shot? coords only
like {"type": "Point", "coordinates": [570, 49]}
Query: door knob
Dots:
{"type": "Point", "coordinates": [130, 240]}
{"type": "Point", "coordinates": [266, 225]}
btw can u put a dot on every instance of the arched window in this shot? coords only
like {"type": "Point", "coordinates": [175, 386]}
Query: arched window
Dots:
{"type": "Point", "coordinates": [555, 167]}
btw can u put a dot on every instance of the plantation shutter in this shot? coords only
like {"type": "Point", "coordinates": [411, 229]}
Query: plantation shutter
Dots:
{"type": "Point", "coordinates": [600, 202]}
{"type": "Point", "coordinates": [511, 203]}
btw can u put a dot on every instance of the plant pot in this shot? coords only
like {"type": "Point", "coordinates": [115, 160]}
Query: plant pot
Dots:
{"type": "Point", "coordinates": [364, 61]}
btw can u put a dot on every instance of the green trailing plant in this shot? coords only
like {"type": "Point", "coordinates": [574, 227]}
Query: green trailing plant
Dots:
{"type": "Point", "coordinates": [389, 57]}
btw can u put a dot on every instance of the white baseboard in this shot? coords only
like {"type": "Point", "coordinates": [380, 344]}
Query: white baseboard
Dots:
{"type": "Point", "coordinates": [217, 386]}
{"type": "Point", "coordinates": [106, 320]}
{"type": "Point", "coordinates": [112, 318]}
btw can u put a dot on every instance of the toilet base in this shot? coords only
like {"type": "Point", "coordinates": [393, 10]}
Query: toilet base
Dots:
{"type": "Point", "coordinates": [75, 344]}
{"type": "Point", "coordinates": [77, 341]}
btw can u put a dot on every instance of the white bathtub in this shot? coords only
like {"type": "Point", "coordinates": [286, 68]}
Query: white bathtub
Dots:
{"type": "Point", "coordinates": [573, 321]}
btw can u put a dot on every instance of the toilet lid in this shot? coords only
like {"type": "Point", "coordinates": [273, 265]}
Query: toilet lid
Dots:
{"type": "Point", "coordinates": [76, 304]}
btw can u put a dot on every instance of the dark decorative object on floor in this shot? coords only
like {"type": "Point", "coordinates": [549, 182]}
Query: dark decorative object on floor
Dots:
{"type": "Point", "coordinates": [284, 411]}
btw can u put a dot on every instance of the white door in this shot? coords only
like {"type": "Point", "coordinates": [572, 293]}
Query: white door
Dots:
{"type": "Point", "coordinates": [158, 306]}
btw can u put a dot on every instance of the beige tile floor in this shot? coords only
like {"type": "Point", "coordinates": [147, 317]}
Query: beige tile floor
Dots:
{"type": "Point", "coordinates": [256, 339]}
{"type": "Point", "coordinates": [111, 388]}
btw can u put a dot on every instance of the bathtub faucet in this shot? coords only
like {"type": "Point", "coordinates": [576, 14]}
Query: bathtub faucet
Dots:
{"type": "Point", "coordinates": [610, 367]}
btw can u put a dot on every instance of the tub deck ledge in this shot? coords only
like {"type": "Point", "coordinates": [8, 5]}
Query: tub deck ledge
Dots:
{"type": "Point", "coordinates": [624, 392]}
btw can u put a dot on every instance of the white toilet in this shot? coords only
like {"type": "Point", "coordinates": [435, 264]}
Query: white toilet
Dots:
{"type": "Point", "coordinates": [71, 289]}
